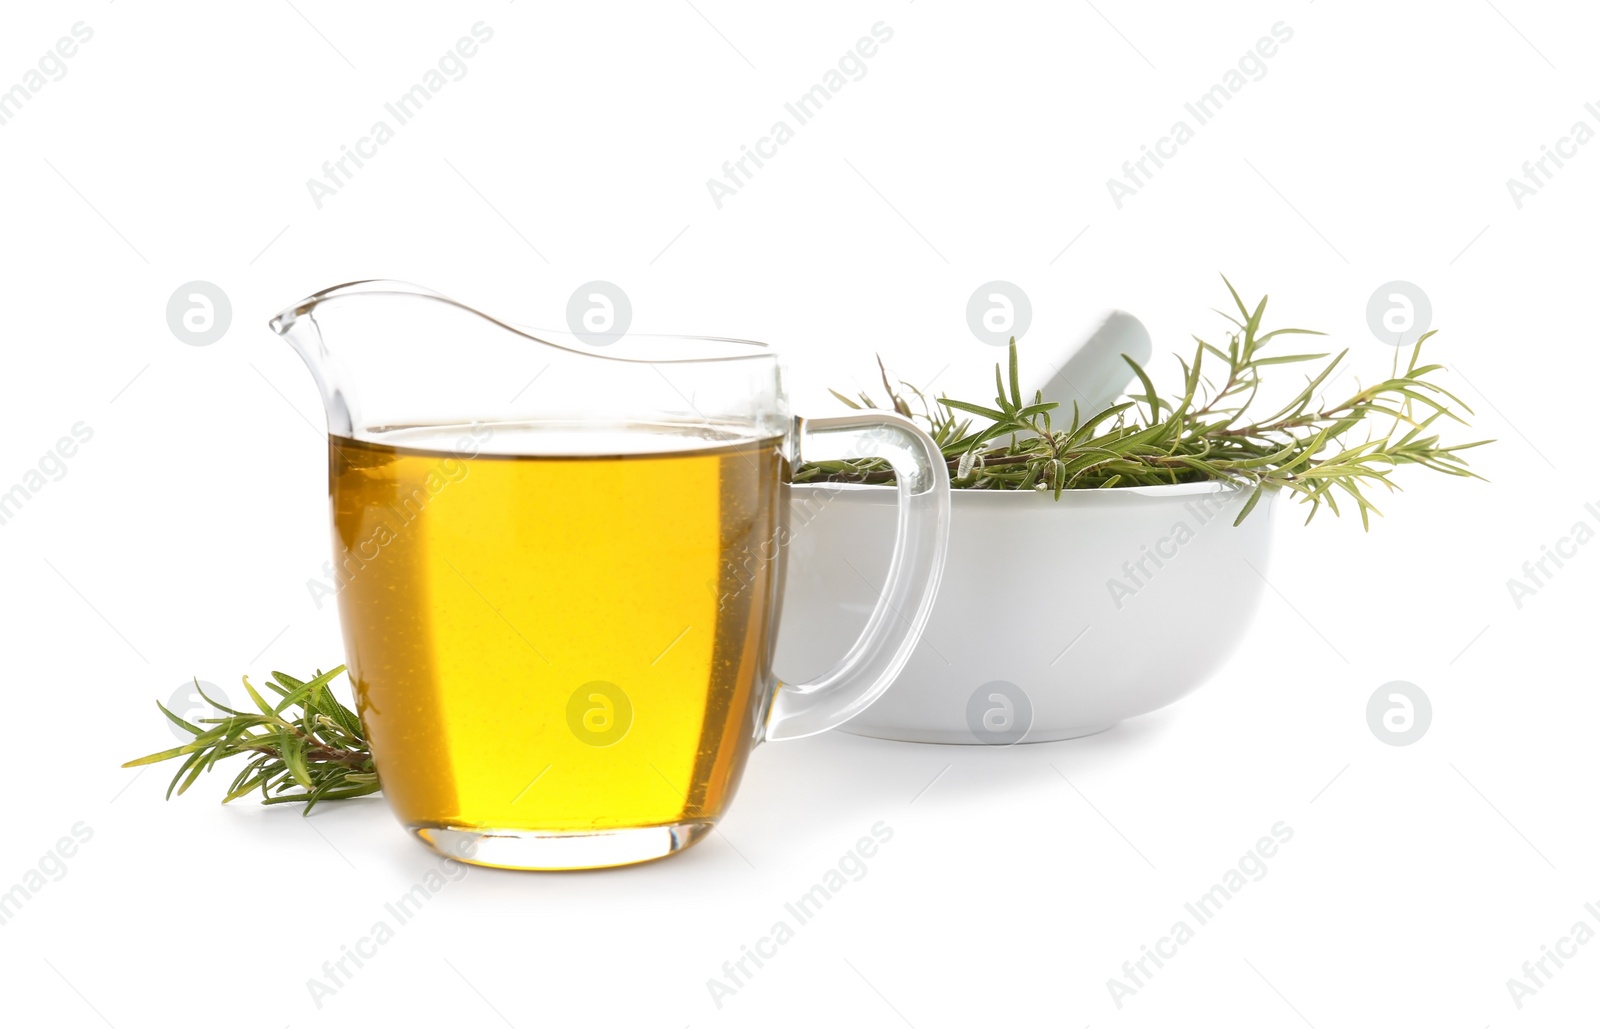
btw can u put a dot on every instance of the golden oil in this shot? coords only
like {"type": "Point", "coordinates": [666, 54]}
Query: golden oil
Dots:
{"type": "Point", "coordinates": [558, 643]}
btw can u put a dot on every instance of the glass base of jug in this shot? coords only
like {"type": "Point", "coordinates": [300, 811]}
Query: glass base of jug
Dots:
{"type": "Point", "coordinates": [531, 850]}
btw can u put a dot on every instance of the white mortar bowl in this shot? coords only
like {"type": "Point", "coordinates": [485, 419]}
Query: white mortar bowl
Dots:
{"type": "Point", "coordinates": [1029, 640]}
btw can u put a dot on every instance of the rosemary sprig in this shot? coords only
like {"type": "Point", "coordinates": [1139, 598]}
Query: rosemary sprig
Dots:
{"type": "Point", "coordinates": [1211, 431]}
{"type": "Point", "coordinates": [321, 749]}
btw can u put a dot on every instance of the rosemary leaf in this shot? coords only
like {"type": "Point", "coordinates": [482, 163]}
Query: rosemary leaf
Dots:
{"type": "Point", "coordinates": [317, 754]}
{"type": "Point", "coordinates": [1206, 433]}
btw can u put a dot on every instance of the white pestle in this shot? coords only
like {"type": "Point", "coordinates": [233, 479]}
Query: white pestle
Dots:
{"type": "Point", "coordinates": [1091, 373]}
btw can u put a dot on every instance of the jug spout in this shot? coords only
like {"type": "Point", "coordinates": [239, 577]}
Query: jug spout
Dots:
{"type": "Point", "coordinates": [337, 370]}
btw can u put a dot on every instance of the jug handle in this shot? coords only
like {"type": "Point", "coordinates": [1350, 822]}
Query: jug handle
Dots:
{"type": "Point", "coordinates": [922, 530]}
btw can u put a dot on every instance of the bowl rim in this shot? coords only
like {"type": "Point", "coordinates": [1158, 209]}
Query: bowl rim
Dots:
{"type": "Point", "coordinates": [1012, 496]}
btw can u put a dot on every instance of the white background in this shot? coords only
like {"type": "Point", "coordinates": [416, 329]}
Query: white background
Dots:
{"type": "Point", "coordinates": [977, 147]}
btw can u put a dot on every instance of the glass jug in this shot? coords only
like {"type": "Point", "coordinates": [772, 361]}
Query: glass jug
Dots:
{"type": "Point", "coordinates": [560, 565]}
